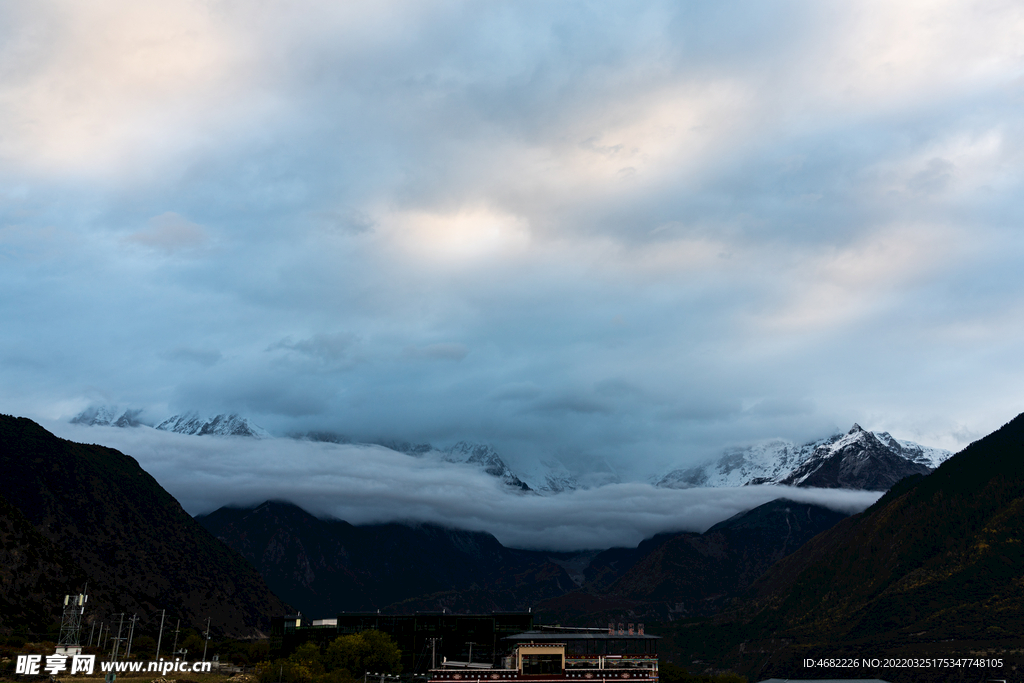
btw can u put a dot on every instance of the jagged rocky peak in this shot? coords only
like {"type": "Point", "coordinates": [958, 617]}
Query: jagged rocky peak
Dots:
{"type": "Point", "coordinates": [857, 459]}
{"type": "Point", "coordinates": [109, 416]}
{"type": "Point", "coordinates": [218, 425]}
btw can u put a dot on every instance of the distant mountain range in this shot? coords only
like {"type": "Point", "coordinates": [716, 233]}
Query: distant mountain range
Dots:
{"type": "Point", "coordinates": [684, 574]}
{"type": "Point", "coordinates": [859, 459]}
{"type": "Point", "coordinates": [72, 513]}
{"type": "Point", "coordinates": [184, 423]}
{"type": "Point", "coordinates": [325, 566]}
{"type": "Point", "coordinates": [544, 478]}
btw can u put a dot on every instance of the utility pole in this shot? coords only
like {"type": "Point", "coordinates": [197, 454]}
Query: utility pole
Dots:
{"type": "Point", "coordinates": [117, 641]}
{"type": "Point", "coordinates": [160, 637]}
{"type": "Point", "coordinates": [471, 644]}
{"type": "Point", "coordinates": [131, 635]}
{"type": "Point", "coordinates": [92, 629]}
{"type": "Point", "coordinates": [433, 652]}
{"type": "Point", "coordinates": [174, 648]}
{"type": "Point", "coordinates": [207, 641]}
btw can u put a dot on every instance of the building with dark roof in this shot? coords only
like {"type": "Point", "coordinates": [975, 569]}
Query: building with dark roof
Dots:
{"type": "Point", "coordinates": [564, 655]}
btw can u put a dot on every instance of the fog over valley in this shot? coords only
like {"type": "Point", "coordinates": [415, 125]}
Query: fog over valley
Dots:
{"type": "Point", "coordinates": [365, 483]}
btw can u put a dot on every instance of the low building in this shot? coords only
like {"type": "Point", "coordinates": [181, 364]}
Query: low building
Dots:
{"type": "Point", "coordinates": [557, 655]}
{"type": "Point", "coordinates": [425, 638]}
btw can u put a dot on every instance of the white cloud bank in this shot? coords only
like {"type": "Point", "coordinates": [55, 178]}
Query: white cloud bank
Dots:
{"type": "Point", "coordinates": [363, 484]}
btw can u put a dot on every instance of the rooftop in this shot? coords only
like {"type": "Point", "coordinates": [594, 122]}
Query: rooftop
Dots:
{"type": "Point", "coordinates": [562, 636]}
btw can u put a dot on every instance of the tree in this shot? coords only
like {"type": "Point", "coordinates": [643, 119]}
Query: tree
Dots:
{"type": "Point", "coordinates": [308, 656]}
{"type": "Point", "coordinates": [193, 643]}
{"type": "Point", "coordinates": [361, 652]}
{"type": "Point", "coordinates": [382, 653]}
{"type": "Point", "coordinates": [144, 647]}
{"type": "Point", "coordinates": [259, 651]}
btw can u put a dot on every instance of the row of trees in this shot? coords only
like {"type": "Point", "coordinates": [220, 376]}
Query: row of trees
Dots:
{"type": "Point", "coordinates": [345, 659]}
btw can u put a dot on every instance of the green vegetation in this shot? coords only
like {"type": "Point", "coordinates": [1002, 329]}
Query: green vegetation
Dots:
{"type": "Point", "coordinates": [344, 659]}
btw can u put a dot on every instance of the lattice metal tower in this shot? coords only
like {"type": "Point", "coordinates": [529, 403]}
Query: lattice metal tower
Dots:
{"type": "Point", "coordinates": [71, 622]}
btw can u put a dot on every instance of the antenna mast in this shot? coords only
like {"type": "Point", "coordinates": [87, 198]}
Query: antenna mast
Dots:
{"type": "Point", "coordinates": [71, 624]}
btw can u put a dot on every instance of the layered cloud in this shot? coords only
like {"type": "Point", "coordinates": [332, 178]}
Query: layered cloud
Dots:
{"type": "Point", "coordinates": [366, 484]}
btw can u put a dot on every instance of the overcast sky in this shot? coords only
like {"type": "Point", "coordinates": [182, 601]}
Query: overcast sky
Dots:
{"type": "Point", "coordinates": [622, 235]}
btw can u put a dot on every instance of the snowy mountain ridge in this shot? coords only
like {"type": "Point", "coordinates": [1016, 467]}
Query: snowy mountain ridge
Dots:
{"type": "Point", "coordinates": [544, 478]}
{"type": "Point", "coordinates": [184, 423]}
{"type": "Point", "coordinates": [857, 459]}
{"type": "Point", "coordinates": [219, 425]}
{"type": "Point", "coordinates": [109, 416]}
{"type": "Point", "coordinates": [485, 458]}
{"type": "Point", "coordinates": [782, 462]}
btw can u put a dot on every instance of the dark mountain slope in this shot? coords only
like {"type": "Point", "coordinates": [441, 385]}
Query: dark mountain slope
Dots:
{"type": "Point", "coordinates": [610, 565]}
{"type": "Point", "coordinates": [328, 566]}
{"type": "Point", "coordinates": [140, 551]}
{"type": "Point", "coordinates": [34, 574]}
{"type": "Point", "coordinates": [937, 557]}
{"type": "Point", "coordinates": [703, 568]}
{"type": "Point", "coordinates": [686, 574]}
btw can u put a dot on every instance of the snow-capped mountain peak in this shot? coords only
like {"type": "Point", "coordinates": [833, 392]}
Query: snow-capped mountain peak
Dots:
{"type": "Point", "coordinates": [219, 425]}
{"type": "Point", "coordinates": [864, 459]}
{"type": "Point", "coordinates": [762, 463]}
{"type": "Point", "coordinates": [108, 416]}
{"type": "Point", "coordinates": [926, 455]}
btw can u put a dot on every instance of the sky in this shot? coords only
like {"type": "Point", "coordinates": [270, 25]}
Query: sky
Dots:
{"type": "Point", "coordinates": [621, 236]}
